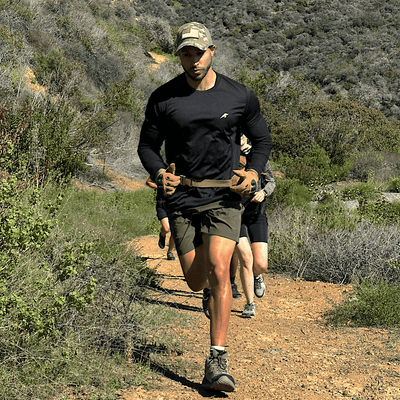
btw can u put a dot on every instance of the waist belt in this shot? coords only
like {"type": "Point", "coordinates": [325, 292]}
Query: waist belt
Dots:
{"type": "Point", "coordinates": [205, 182]}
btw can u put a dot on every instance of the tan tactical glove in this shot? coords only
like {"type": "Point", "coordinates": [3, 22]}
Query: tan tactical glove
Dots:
{"type": "Point", "coordinates": [244, 182]}
{"type": "Point", "coordinates": [167, 181]}
{"type": "Point", "coordinates": [150, 183]}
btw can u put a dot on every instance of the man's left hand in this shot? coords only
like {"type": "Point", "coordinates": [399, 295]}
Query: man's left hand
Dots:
{"type": "Point", "coordinates": [258, 197]}
{"type": "Point", "coordinates": [244, 182]}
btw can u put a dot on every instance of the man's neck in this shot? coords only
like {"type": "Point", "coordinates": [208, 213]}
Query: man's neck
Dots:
{"type": "Point", "coordinates": [206, 83]}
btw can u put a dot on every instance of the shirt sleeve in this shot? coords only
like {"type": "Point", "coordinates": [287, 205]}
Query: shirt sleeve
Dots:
{"type": "Point", "coordinates": [270, 183]}
{"type": "Point", "coordinates": [151, 140]}
{"type": "Point", "coordinates": [160, 207]}
{"type": "Point", "coordinates": [256, 129]}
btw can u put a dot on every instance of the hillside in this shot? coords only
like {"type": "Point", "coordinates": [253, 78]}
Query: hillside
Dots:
{"type": "Point", "coordinates": [298, 53]}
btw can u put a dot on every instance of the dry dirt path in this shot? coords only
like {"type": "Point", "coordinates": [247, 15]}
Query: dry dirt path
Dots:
{"type": "Point", "coordinates": [285, 352]}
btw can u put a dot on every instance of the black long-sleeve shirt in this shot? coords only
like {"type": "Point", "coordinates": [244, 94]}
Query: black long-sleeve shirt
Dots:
{"type": "Point", "coordinates": [202, 130]}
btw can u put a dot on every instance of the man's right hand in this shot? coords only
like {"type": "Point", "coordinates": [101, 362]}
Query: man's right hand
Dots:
{"type": "Point", "coordinates": [167, 181]}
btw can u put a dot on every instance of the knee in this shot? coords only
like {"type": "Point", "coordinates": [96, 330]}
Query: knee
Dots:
{"type": "Point", "coordinates": [261, 267]}
{"type": "Point", "coordinates": [164, 230]}
{"type": "Point", "coordinates": [218, 276]}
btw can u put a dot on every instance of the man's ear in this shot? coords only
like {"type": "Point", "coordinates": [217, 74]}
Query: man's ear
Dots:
{"type": "Point", "coordinates": [212, 48]}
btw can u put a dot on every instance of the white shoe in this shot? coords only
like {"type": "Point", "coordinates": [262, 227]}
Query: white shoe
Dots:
{"type": "Point", "coordinates": [259, 286]}
{"type": "Point", "coordinates": [249, 310]}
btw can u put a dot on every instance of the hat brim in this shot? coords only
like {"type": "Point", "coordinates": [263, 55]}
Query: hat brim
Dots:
{"type": "Point", "coordinates": [192, 43]}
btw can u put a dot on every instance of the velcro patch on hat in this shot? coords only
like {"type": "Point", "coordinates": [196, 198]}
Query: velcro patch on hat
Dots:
{"type": "Point", "coordinates": [190, 33]}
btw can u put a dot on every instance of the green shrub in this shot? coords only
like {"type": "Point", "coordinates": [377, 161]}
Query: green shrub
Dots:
{"type": "Point", "coordinates": [354, 126]}
{"type": "Point", "coordinates": [36, 141]}
{"type": "Point", "coordinates": [363, 191]}
{"type": "Point", "coordinates": [24, 229]}
{"type": "Point", "coordinates": [340, 127]}
{"type": "Point", "coordinates": [158, 32]}
{"type": "Point", "coordinates": [394, 185]}
{"type": "Point", "coordinates": [369, 305]}
{"type": "Point", "coordinates": [316, 168]}
{"type": "Point", "coordinates": [288, 136]}
{"type": "Point", "coordinates": [289, 192]}
{"type": "Point", "coordinates": [93, 127]}
{"type": "Point", "coordinates": [258, 82]}
{"type": "Point", "coordinates": [331, 213]}
{"type": "Point", "coordinates": [57, 73]}
{"type": "Point", "coordinates": [32, 299]}
{"type": "Point", "coordinates": [47, 137]}
{"type": "Point", "coordinates": [74, 310]}
{"type": "Point", "coordinates": [380, 212]}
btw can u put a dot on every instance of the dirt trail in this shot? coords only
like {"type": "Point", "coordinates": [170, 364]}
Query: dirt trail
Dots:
{"type": "Point", "coordinates": [285, 352]}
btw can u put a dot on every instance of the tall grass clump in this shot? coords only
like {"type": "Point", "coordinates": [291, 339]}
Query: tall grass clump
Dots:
{"type": "Point", "coordinates": [130, 215]}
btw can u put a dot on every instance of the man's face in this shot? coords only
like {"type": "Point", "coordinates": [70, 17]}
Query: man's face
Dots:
{"type": "Point", "coordinates": [196, 62]}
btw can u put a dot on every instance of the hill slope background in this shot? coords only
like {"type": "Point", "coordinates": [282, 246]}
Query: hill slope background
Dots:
{"type": "Point", "coordinates": [308, 51]}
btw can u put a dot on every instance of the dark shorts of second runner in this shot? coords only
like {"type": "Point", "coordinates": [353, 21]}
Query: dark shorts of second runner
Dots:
{"type": "Point", "coordinates": [219, 218]}
{"type": "Point", "coordinates": [255, 227]}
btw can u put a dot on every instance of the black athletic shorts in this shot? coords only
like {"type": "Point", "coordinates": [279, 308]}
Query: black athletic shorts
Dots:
{"type": "Point", "coordinates": [255, 226]}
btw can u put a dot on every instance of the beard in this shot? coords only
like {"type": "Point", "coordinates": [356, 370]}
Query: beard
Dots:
{"type": "Point", "coordinates": [197, 74]}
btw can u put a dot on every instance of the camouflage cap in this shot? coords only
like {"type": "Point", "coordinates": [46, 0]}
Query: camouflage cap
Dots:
{"type": "Point", "coordinates": [193, 34]}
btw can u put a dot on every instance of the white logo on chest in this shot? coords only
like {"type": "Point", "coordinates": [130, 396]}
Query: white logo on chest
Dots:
{"type": "Point", "coordinates": [224, 115]}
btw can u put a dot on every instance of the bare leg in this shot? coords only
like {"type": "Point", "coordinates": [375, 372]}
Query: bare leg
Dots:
{"type": "Point", "coordinates": [218, 256]}
{"type": "Point", "coordinates": [234, 265]}
{"type": "Point", "coordinates": [208, 266]}
{"type": "Point", "coordinates": [171, 244]}
{"type": "Point", "coordinates": [194, 268]}
{"type": "Point", "coordinates": [246, 271]}
{"type": "Point", "coordinates": [260, 254]}
{"type": "Point", "coordinates": [233, 270]}
{"type": "Point", "coordinates": [164, 226]}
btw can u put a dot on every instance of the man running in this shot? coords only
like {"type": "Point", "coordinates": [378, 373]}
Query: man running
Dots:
{"type": "Point", "coordinates": [200, 115]}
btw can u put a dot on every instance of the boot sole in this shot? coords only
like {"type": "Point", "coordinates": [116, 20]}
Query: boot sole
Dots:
{"type": "Point", "coordinates": [222, 384]}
